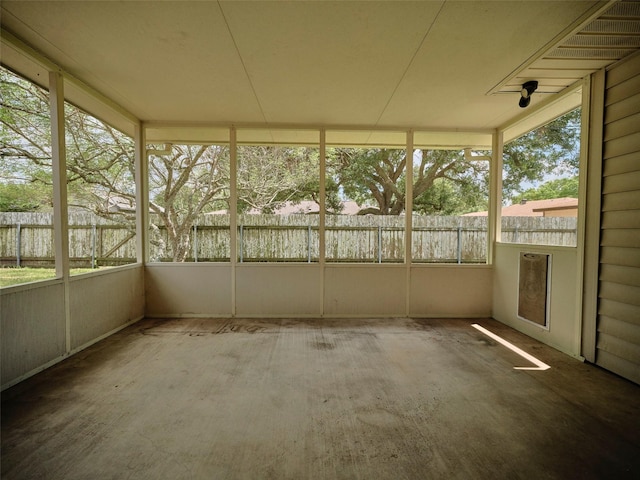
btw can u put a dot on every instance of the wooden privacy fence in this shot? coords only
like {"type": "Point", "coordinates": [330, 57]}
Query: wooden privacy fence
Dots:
{"type": "Point", "coordinates": [26, 239]}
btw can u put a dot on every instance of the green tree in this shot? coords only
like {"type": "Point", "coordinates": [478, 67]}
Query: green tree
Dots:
{"type": "Point", "coordinates": [183, 183]}
{"type": "Point", "coordinates": [444, 182]}
{"type": "Point", "coordinates": [25, 145]}
{"type": "Point", "coordinates": [553, 149]}
{"type": "Point", "coordinates": [270, 176]}
{"type": "Point", "coordinates": [556, 188]}
{"type": "Point", "coordinates": [24, 197]}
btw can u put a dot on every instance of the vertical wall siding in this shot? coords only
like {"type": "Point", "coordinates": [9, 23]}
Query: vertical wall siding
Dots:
{"type": "Point", "coordinates": [34, 318]}
{"type": "Point", "coordinates": [618, 340]}
{"type": "Point", "coordinates": [33, 329]}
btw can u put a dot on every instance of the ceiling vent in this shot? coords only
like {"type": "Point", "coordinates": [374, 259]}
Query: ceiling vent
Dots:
{"type": "Point", "coordinates": [611, 36]}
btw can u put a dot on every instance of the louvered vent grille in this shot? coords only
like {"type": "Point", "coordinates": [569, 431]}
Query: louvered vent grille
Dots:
{"type": "Point", "coordinates": [586, 53]}
{"type": "Point", "coordinates": [610, 41]}
{"type": "Point", "coordinates": [614, 35]}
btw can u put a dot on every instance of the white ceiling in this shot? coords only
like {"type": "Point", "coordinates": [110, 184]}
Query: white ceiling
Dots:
{"type": "Point", "coordinates": [425, 65]}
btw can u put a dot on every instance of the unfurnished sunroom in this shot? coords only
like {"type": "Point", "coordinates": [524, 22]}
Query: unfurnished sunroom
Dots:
{"type": "Point", "coordinates": [276, 115]}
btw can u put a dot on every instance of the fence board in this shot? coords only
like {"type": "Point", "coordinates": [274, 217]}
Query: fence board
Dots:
{"type": "Point", "coordinates": [349, 238]}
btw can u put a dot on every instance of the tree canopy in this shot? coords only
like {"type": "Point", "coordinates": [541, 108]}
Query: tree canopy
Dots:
{"type": "Point", "coordinates": [556, 188]}
{"type": "Point", "coordinates": [551, 150]}
{"type": "Point", "coordinates": [444, 183]}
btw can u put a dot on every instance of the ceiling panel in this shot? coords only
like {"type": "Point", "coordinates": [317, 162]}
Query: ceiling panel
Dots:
{"type": "Point", "coordinates": [160, 60]}
{"type": "Point", "coordinates": [424, 65]}
{"type": "Point", "coordinates": [467, 52]}
{"type": "Point", "coordinates": [317, 62]}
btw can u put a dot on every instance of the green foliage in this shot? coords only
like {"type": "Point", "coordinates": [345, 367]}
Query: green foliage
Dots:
{"type": "Point", "coordinates": [557, 188]}
{"type": "Point", "coordinates": [553, 149]}
{"type": "Point", "coordinates": [99, 158]}
{"type": "Point", "coordinates": [270, 176]}
{"type": "Point", "coordinates": [187, 181]}
{"type": "Point", "coordinates": [372, 177]}
{"type": "Point", "coordinates": [444, 183]}
{"type": "Point", "coordinates": [25, 145]}
{"type": "Point", "coordinates": [21, 197]}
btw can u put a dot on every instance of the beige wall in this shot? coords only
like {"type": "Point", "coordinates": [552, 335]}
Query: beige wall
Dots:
{"type": "Point", "coordinates": [451, 291]}
{"type": "Point", "coordinates": [564, 327]}
{"type": "Point", "coordinates": [365, 290]}
{"type": "Point", "coordinates": [312, 290]}
{"type": "Point", "coordinates": [100, 304]}
{"type": "Point", "coordinates": [33, 328]}
{"type": "Point", "coordinates": [188, 289]}
{"type": "Point", "coordinates": [282, 290]}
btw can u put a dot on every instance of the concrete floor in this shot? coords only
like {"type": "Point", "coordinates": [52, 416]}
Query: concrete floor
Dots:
{"type": "Point", "coordinates": [298, 399]}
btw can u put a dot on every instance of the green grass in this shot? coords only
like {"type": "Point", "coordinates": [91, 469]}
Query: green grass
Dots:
{"type": "Point", "coordinates": [15, 276]}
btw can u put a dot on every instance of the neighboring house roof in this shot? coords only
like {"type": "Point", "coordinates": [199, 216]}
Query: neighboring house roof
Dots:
{"type": "Point", "coordinates": [303, 208]}
{"type": "Point", "coordinates": [309, 206]}
{"type": "Point", "coordinates": [116, 204]}
{"type": "Point", "coordinates": [533, 208]}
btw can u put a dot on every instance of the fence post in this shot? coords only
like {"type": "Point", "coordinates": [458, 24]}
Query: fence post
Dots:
{"type": "Point", "coordinates": [241, 242]}
{"type": "Point", "coordinates": [18, 243]}
{"type": "Point", "coordinates": [195, 242]}
{"type": "Point", "coordinates": [308, 243]}
{"type": "Point", "coordinates": [459, 245]}
{"type": "Point", "coordinates": [515, 234]}
{"type": "Point", "coordinates": [93, 246]}
{"type": "Point", "coordinates": [379, 243]}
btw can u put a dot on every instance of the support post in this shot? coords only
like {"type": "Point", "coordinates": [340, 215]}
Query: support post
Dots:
{"type": "Point", "coordinates": [322, 217]}
{"type": "Point", "coordinates": [142, 194]}
{"type": "Point", "coordinates": [233, 213]}
{"type": "Point", "coordinates": [59, 170]}
{"type": "Point", "coordinates": [459, 255]}
{"type": "Point", "coordinates": [195, 243]}
{"type": "Point", "coordinates": [408, 219]}
{"type": "Point", "coordinates": [59, 177]}
{"type": "Point", "coordinates": [18, 243]}
{"type": "Point", "coordinates": [495, 196]}
{"type": "Point", "coordinates": [93, 246]}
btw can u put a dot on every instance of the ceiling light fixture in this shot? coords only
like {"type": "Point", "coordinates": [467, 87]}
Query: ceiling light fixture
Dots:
{"type": "Point", "coordinates": [527, 89]}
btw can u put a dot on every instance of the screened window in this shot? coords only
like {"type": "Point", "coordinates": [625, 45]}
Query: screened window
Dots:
{"type": "Point", "coordinates": [26, 191]}
{"type": "Point", "coordinates": [100, 193]}
{"type": "Point", "coordinates": [540, 184]}
{"type": "Point", "coordinates": [366, 199]}
{"type": "Point", "coordinates": [450, 201]}
{"type": "Point", "coordinates": [278, 202]}
{"type": "Point", "coordinates": [189, 194]}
